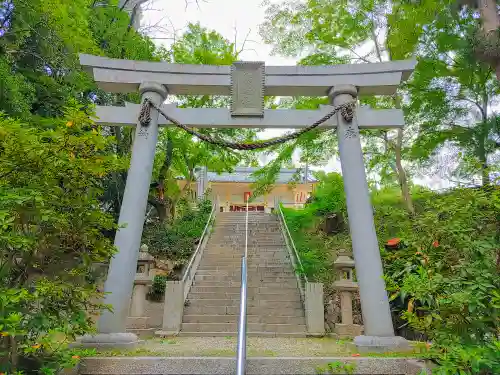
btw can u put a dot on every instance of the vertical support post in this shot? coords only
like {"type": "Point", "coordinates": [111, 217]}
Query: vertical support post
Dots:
{"type": "Point", "coordinates": [173, 309]}
{"type": "Point", "coordinates": [122, 268]}
{"type": "Point", "coordinates": [346, 307]}
{"type": "Point", "coordinates": [315, 311]}
{"type": "Point", "coordinates": [376, 313]}
{"type": "Point", "coordinates": [138, 300]}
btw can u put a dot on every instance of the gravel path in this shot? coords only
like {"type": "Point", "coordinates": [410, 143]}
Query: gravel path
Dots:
{"type": "Point", "coordinates": [256, 347]}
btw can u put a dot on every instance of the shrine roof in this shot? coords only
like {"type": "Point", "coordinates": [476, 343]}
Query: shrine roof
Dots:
{"type": "Point", "coordinates": [244, 175]}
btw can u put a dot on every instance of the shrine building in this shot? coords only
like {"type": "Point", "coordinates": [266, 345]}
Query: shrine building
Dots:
{"type": "Point", "coordinates": [230, 189]}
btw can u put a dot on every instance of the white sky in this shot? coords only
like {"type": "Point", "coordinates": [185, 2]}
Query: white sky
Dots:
{"type": "Point", "coordinates": [234, 20]}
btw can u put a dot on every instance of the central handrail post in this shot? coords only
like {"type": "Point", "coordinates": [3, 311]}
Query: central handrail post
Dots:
{"type": "Point", "coordinates": [241, 352]}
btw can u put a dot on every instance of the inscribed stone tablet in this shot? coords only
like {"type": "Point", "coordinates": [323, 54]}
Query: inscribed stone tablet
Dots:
{"type": "Point", "coordinates": [247, 89]}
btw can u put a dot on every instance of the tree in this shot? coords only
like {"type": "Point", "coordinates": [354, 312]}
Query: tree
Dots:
{"type": "Point", "coordinates": [331, 32]}
{"type": "Point", "coordinates": [179, 155]}
{"type": "Point", "coordinates": [52, 233]}
{"type": "Point", "coordinates": [485, 41]}
{"type": "Point", "coordinates": [451, 97]}
{"type": "Point", "coordinates": [55, 165]}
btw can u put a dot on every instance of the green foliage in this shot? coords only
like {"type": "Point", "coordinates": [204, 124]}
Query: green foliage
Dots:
{"type": "Point", "coordinates": [444, 283]}
{"type": "Point", "coordinates": [446, 280]}
{"type": "Point", "coordinates": [337, 367]}
{"type": "Point", "coordinates": [176, 242]}
{"type": "Point", "coordinates": [158, 287]}
{"type": "Point", "coordinates": [450, 99]}
{"type": "Point", "coordinates": [179, 155]}
{"type": "Point", "coordinates": [51, 236]}
{"type": "Point", "coordinates": [316, 249]}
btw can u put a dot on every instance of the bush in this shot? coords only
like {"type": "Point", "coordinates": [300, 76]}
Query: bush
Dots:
{"type": "Point", "coordinates": [51, 233]}
{"type": "Point", "coordinates": [444, 283]}
{"type": "Point", "coordinates": [176, 241]}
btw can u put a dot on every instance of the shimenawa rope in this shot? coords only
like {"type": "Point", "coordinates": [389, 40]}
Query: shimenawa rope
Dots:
{"type": "Point", "coordinates": [346, 110]}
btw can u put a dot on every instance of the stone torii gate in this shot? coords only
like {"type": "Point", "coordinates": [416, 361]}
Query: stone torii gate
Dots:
{"type": "Point", "coordinates": [247, 83]}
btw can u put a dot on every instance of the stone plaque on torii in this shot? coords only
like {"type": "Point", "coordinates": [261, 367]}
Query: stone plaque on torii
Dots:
{"type": "Point", "coordinates": [247, 83]}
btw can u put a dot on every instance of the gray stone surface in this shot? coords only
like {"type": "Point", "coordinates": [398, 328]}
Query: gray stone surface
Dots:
{"type": "Point", "coordinates": [110, 340]}
{"type": "Point", "coordinates": [314, 309]}
{"type": "Point", "coordinates": [247, 89]}
{"type": "Point", "coordinates": [174, 306]}
{"type": "Point", "coordinates": [123, 265]}
{"type": "Point", "coordinates": [125, 76]}
{"type": "Point", "coordinates": [223, 366]}
{"type": "Point", "coordinates": [374, 301]}
{"type": "Point", "coordinates": [221, 117]}
{"type": "Point", "coordinates": [381, 344]}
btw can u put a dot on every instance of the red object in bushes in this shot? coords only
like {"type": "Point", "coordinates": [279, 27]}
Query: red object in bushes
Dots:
{"type": "Point", "coordinates": [394, 244]}
{"type": "Point", "coordinates": [394, 241]}
{"type": "Point", "coordinates": [435, 244]}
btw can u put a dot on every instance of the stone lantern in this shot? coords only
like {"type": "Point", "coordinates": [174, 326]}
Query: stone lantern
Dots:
{"type": "Point", "coordinates": [347, 286]}
{"type": "Point", "coordinates": [145, 261]}
{"type": "Point", "coordinates": [142, 283]}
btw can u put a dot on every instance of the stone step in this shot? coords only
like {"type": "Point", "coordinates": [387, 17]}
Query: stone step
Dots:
{"type": "Point", "coordinates": [252, 260]}
{"type": "Point", "coordinates": [281, 255]}
{"type": "Point", "coordinates": [196, 309]}
{"type": "Point", "coordinates": [258, 249]}
{"type": "Point", "coordinates": [254, 271]}
{"type": "Point", "coordinates": [231, 279]}
{"type": "Point", "coordinates": [261, 269]}
{"type": "Point", "coordinates": [238, 253]}
{"type": "Point", "coordinates": [274, 258]}
{"type": "Point", "coordinates": [254, 366]}
{"type": "Point", "coordinates": [236, 290]}
{"type": "Point", "coordinates": [250, 264]}
{"type": "Point", "coordinates": [241, 225]}
{"type": "Point", "coordinates": [251, 327]}
{"type": "Point", "coordinates": [235, 334]}
{"type": "Point", "coordinates": [252, 296]}
{"type": "Point", "coordinates": [251, 276]}
{"type": "Point", "coordinates": [261, 249]}
{"type": "Point", "coordinates": [237, 284]}
{"type": "Point", "coordinates": [251, 303]}
{"type": "Point", "coordinates": [264, 319]}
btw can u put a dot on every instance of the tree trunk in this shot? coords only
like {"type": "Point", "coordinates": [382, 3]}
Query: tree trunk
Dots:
{"type": "Point", "coordinates": [163, 204]}
{"type": "Point", "coordinates": [483, 138]}
{"type": "Point", "coordinates": [485, 175]}
{"type": "Point", "coordinates": [491, 24]}
{"type": "Point", "coordinates": [402, 177]}
{"type": "Point", "coordinates": [489, 15]}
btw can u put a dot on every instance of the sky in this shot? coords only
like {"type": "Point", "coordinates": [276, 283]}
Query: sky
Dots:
{"type": "Point", "coordinates": [236, 20]}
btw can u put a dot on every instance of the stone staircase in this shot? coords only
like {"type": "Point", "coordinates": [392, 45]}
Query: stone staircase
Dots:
{"type": "Point", "coordinates": [274, 303]}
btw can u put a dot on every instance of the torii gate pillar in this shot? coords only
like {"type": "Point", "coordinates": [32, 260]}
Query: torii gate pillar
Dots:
{"type": "Point", "coordinates": [377, 321]}
{"type": "Point", "coordinates": [122, 268]}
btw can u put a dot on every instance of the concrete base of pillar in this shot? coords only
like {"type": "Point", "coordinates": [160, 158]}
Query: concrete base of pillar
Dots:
{"type": "Point", "coordinates": [163, 333]}
{"type": "Point", "coordinates": [381, 344]}
{"type": "Point", "coordinates": [344, 331]}
{"type": "Point", "coordinates": [140, 322]}
{"type": "Point", "coordinates": [110, 340]}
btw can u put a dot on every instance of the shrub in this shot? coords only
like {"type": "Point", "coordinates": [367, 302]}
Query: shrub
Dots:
{"type": "Point", "coordinates": [51, 232]}
{"type": "Point", "coordinates": [444, 283]}
{"type": "Point", "coordinates": [176, 241]}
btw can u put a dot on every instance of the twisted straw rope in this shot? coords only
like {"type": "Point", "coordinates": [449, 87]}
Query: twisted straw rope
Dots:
{"type": "Point", "coordinates": [346, 110]}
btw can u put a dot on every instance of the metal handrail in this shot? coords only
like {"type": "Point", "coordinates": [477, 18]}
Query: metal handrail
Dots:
{"type": "Point", "coordinates": [187, 271]}
{"type": "Point", "coordinates": [241, 350]}
{"type": "Point", "coordinates": [295, 257]}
